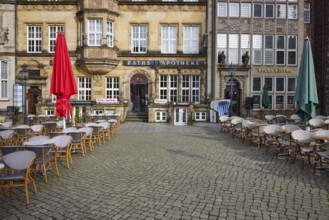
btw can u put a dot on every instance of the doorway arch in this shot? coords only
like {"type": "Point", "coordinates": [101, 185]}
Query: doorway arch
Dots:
{"type": "Point", "coordinates": [236, 99]}
{"type": "Point", "coordinates": [139, 93]}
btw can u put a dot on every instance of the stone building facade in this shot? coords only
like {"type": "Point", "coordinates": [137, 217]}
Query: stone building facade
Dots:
{"type": "Point", "coordinates": [7, 55]}
{"type": "Point", "coordinates": [144, 57]}
{"type": "Point", "coordinates": [272, 32]}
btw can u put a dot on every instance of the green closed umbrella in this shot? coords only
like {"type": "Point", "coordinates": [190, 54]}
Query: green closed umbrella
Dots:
{"type": "Point", "coordinates": [265, 98]}
{"type": "Point", "coordinates": [306, 94]}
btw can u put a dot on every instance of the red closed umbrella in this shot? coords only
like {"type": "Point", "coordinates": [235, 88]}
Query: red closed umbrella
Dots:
{"type": "Point", "coordinates": [63, 84]}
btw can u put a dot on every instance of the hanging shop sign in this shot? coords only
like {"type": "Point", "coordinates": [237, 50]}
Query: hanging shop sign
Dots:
{"type": "Point", "coordinates": [163, 63]}
{"type": "Point", "coordinates": [160, 101]}
{"type": "Point", "coordinates": [107, 100]}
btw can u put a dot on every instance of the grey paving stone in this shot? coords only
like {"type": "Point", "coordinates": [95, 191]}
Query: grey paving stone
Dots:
{"type": "Point", "coordinates": [160, 171]}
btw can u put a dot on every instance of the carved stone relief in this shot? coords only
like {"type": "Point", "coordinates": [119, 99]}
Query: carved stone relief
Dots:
{"type": "Point", "coordinates": [234, 25]}
{"type": "Point", "coordinates": [281, 25]}
{"type": "Point", "coordinates": [269, 26]}
{"type": "Point", "coordinates": [258, 25]}
{"type": "Point", "coordinates": [292, 26]}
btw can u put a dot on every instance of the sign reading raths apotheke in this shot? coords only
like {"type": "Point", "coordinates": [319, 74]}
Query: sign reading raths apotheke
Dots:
{"type": "Point", "coordinates": [163, 63]}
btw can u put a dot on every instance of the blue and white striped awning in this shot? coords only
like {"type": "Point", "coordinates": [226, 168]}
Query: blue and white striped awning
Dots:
{"type": "Point", "coordinates": [223, 107]}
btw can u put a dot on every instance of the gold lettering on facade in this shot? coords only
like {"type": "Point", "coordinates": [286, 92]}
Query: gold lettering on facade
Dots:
{"type": "Point", "coordinates": [276, 70]}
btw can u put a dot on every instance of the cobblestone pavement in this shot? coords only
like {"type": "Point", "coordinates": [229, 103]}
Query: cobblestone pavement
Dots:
{"type": "Point", "coordinates": [160, 171]}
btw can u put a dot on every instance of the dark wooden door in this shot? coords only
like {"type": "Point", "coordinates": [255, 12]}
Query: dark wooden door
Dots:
{"type": "Point", "coordinates": [236, 99]}
{"type": "Point", "coordinates": [32, 100]}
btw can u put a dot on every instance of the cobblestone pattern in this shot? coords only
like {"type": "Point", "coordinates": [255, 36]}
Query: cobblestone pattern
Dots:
{"type": "Point", "coordinates": [160, 171]}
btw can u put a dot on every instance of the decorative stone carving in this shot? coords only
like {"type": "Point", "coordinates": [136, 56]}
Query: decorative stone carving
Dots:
{"type": "Point", "coordinates": [281, 25]}
{"type": "Point", "coordinates": [269, 26]}
{"type": "Point", "coordinates": [292, 26]}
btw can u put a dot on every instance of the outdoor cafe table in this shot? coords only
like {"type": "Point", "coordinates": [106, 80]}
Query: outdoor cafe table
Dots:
{"type": "Point", "coordinates": [42, 144]}
{"type": "Point", "coordinates": [321, 137]}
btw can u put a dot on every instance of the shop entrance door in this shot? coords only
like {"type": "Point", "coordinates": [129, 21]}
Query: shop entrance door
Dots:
{"type": "Point", "coordinates": [236, 95]}
{"type": "Point", "coordinates": [180, 115]}
{"type": "Point", "coordinates": [32, 99]}
{"type": "Point", "coordinates": [138, 93]}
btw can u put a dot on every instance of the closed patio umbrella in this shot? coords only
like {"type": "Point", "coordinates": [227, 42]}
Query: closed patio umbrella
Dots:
{"type": "Point", "coordinates": [63, 84]}
{"type": "Point", "coordinates": [265, 98]}
{"type": "Point", "coordinates": [306, 94]}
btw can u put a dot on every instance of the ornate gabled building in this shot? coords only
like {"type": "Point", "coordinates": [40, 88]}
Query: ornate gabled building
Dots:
{"type": "Point", "coordinates": [271, 34]}
{"type": "Point", "coordinates": [127, 56]}
{"type": "Point", "coordinates": [7, 55]}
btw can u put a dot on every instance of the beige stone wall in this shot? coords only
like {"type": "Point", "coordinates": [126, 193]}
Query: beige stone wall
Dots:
{"type": "Point", "coordinates": [7, 47]}
{"type": "Point", "coordinates": [123, 17]}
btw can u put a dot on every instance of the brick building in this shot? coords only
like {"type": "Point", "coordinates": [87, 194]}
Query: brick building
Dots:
{"type": "Point", "coordinates": [317, 28]}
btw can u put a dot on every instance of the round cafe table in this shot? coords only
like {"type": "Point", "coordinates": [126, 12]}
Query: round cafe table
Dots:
{"type": "Point", "coordinates": [321, 137]}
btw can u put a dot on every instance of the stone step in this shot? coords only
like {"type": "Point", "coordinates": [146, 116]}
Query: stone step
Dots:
{"type": "Point", "coordinates": [137, 117]}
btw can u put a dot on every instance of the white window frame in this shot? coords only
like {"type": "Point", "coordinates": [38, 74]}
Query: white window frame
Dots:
{"type": "Point", "coordinates": [280, 50]}
{"type": "Point", "coordinates": [200, 116]}
{"type": "Point", "coordinates": [222, 9]}
{"type": "Point", "coordinates": [84, 88]}
{"type": "Point", "coordinates": [53, 32]}
{"type": "Point", "coordinates": [50, 112]}
{"type": "Point", "coordinates": [34, 39]}
{"type": "Point", "coordinates": [281, 11]}
{"type": "Point", "coordinates": [245, 10]}
{"type": "Point", "coordinates": [18, 96]}
{"type": "Point", "coordinates": [195, 89]}
{"type": "Point", "coordinates": [262, 11]}
{"type": "Point", "coordinates": [257, 105]}
{"type": "Point", "coordinates": [173, 88]}
{"type": "Point", "coordinates": [234, 10]}
{"type": "Point", "coordinates": [268, 50]}
{"type": "Point", "coordinates": [269, 87]}
{"type": "Point", "coordinates": [265, 11]}
{"type": "Point", "coordinates": [292, 50]}
{"type": "Point", "coordinates": [285, 93]}
{"type": "Point", "coordinates": [139, 39]}
{"type": "Point", "coordinates": [245, 40]}
{"type": "Point", "coordinates": [260, 83]}
{"type": "Point", "coordinates": [307, 12]}
{"type": "Point", "coordinates": [283, 102]}
{"type": "Point", "coordinates": [112, 87]}
{"type": "Point", "coordinates": [109, 33]}
{"type": "Point", "coordinates": [4, 77]}
{"type": "Point", "coordinates": [161, 116]}
{"type": "Point", "coordinates": [191, 39]}
{"type": "Point", "coordinates": [53, 98]}
{"type": "Point", "coordinates": [95, 32]}
{"type": "Point", "coordinates": [293, 11]}
{"type": "Point", "coordinates": [257, 47]}
{"type": "Point", "coordinates": [169, 39]}
{"type": "Point", "coordinates": [276, 84]}
{"type": "Point", "coordinates": [233, 44]}
{"type": "Point", "coordinates": [185, 92]}
{"type": "Point", "coordinates": [221, 44]}
{"type": "Point", "coordinates": [163, 87]}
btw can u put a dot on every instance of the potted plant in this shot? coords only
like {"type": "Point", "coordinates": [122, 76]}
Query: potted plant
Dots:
{"type": "Point", "coordinates": [78, 118]}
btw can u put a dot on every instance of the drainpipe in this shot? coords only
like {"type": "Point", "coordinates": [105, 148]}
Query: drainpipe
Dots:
{"type": "Point", "coordinates": [205, 41]}
{"type": "Point", "coordinates": [323, 72]}
{"type": "Point", "coordinates": [213, 49]}
{"type": "Point", "coordinates": [15, 36]}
